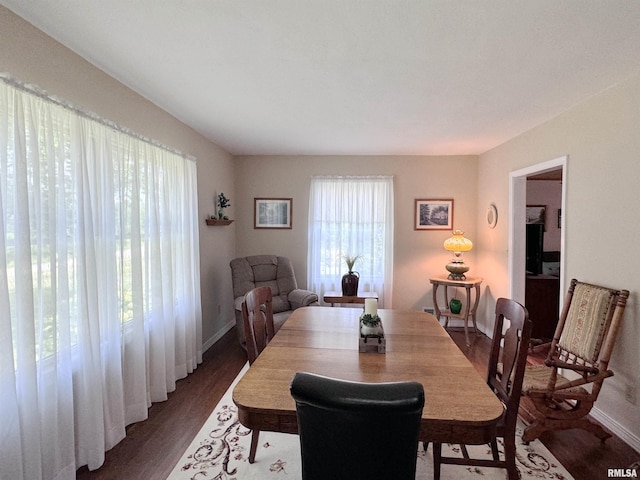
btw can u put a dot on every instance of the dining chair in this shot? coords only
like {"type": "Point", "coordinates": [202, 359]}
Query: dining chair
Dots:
{"type": "Point", "coordinates": [581, 348]}
{"type": "Point", "coordinates": [357, 431]}
{"type": "Point", "coordinates": [507, 362]}
{"type": "Point", "coordinates": [257, 316]}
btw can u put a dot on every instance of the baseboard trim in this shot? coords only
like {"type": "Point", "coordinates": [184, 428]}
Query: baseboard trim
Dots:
{"type": "Point", "coordinates": [218, 335]}
{"type": "Point", "coordinates": [616, 428]}
{"type": "Point", "coordinates": [457, 323]}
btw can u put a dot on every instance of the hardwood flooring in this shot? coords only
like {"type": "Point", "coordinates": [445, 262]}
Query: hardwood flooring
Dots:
{"type": "Point", "coordinates": [153, 447]}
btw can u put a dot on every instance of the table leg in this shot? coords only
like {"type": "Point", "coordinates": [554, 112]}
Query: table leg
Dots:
{"type": "Point", "coordinates": [466, 315]}
{"type": "Point", "coordinates": [475, 309]}
{"type": "Point", "coordinates": [435, 302]}
{"type": "Point", "coordinates": [446, 305]}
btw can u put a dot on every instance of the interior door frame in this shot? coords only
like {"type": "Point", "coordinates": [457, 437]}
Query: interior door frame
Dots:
{"type": "Point", "coordinates": [517, 230]}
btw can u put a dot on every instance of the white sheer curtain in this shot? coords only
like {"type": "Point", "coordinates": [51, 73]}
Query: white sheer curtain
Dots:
{"type": "Point", "coordinates": [99, 286]}
{"type": "Point", "coordinates": [351, 216]}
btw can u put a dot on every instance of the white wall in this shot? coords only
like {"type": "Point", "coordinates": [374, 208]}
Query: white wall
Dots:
{"type": "Point", "coordinates": [31, 56]}
{"type": "Point", "coordinates": [602, 139]}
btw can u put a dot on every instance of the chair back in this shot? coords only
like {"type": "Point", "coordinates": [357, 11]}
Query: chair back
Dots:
{"type": "Point", "coordinates": [588, 325]}
{"type": "Point", "coordinates": [353, 430]}
{"type": "Point", "coordinates": [508, 357]}
{"type": "Point", "coordinates": [257, 314]}
{"type": "Point", "coordinates": [270, 271]}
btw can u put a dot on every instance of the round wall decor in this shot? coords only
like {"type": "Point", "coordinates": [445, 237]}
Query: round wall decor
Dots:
{"type": "Point", "coordinates": [492, 216]}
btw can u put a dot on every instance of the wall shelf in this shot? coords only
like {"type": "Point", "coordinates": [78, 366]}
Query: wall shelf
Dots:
{"type": "Point", "coordinates": [214, 222]}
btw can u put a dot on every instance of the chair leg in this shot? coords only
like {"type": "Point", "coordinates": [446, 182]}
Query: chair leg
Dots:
{"type": "Point", "coordinates": [510, 458]}
{"type": "Point", "coordinates": [437, 456]}
{"type": "Point", "coordinates": [254, 445]}
{"type": "Point", "coordinates": [465, 452]}
{"type": "Point", "coordinates": [494, 450]}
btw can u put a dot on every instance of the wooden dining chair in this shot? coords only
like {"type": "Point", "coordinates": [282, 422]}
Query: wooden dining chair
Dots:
{"type": "Point", "coordinates": [507, 363]}
{"type": "Point", "coordinates": [581, 347]}
{"type": "Point", "coordinates": [357, 431]}
{"type": "Point", "coordinates": [257, 315]}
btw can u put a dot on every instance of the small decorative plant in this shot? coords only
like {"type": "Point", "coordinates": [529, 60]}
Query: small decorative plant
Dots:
{"type": "Point", "coordinates": [223, 202]}
{"type": "Point", "coordinates": [370, 320]}
{"type": "Point", "coordinates": [350, 260]}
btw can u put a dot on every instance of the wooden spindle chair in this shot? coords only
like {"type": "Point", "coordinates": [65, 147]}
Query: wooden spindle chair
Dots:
{"type": "Point", "coordinates": [560, 394]}
{"type": "Point", "coordinates": [257, 314]}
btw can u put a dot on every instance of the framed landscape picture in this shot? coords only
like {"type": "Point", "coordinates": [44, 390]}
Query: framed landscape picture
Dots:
{"type": "Point", "coordinates": [434, 214]}
{"type": "Point", "coordinates": [272, 213]}
{"type": "Point", "coordinates": [536, 213]}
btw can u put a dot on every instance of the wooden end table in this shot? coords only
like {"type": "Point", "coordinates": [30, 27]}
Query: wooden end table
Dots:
{"type": "Point", "coordinates": [337, 297]}
{"type": "Point", "coordinates": [469, 309]}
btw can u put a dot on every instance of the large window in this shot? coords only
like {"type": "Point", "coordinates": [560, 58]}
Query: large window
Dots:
{"type": "Point", "coordinates": [99, 282]}
{"type": "Point", "coordinates": [351, 216]}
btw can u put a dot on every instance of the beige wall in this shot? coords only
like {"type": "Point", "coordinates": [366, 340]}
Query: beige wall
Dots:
{"type": "Point", "coordinates": [417, 254]}
{"type": "Point", "coordinates": [602, 140]}
{"type": "Point", "coordinates": [29, 55]}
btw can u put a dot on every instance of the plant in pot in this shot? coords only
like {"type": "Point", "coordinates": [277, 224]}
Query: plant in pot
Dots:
{"type": "Point", "coordinates": [370, 324]}
{"type": "Point", "coordinates": [223, 202]}
{"type": "Point", "coordinates": [350, 280]}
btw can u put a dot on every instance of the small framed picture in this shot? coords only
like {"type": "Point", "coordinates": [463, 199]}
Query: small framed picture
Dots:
{"type": "Point", "coordinates": [272, 213]}
{"type": "Point", "coordinates": [536, 213]}
{"type": "Point", "coordinates": [434, 214]}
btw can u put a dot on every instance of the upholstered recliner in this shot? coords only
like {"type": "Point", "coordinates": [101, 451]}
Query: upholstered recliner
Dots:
{"type": "Point", "coordinates": [271, 271]}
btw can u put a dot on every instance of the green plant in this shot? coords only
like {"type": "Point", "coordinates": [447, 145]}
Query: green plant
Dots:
{"type": "Point", "coordinates": [350, 260]}
{"type": "Point", "coordinates": [370, 320]}
{"type": "Point", "coordinates": [223, 202]}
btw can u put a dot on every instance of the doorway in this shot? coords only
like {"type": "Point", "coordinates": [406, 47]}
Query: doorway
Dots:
{"type": "Point", "coordinates": [518, 212]}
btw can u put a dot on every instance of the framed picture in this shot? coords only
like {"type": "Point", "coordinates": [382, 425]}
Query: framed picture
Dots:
{"type": "Point", "coordinates": [272, 213]}
{"type": "Point", "coordinates": [559, 218]}
{"type": "Point", "coordinates": [535, 213]}
{"type": "Point", "coordinates": [434, 214]}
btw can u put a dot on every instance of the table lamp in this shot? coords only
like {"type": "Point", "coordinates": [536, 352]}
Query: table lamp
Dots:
{"type": "Point", "coordinates": [457, 244]}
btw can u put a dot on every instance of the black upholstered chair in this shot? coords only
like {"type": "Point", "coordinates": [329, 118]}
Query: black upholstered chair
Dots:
{"type": "Point", "coordinates": [352, 430]}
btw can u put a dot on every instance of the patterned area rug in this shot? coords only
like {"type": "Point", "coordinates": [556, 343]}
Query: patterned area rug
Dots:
{"type": "Point", "coordinates": [220, 451]}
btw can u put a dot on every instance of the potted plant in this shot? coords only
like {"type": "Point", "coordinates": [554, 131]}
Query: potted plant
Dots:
{"type": "Point", "coordinates": [370, 324]}
{"type": "Point", "coordinates": [223, 202]}
{"type": "Point", "coordinates": [350, 280]}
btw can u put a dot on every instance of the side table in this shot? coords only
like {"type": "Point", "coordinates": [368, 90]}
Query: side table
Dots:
{"type": "Point", "coordinates": [469, 309]}
{"type": "Point", "coordinates": [337, 297]}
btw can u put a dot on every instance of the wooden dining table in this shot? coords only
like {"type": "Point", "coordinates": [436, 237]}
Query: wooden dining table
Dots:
{"type": "Point", "coordinates": [459, 406]}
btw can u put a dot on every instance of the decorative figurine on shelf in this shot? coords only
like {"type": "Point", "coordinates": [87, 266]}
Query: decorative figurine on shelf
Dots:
{"type": "Point", "coordinates": [350, 280]}
{"type": "Point", "coordinates": [223, 202]}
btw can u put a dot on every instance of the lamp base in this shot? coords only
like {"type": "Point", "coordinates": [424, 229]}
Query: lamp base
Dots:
{"type": "Point", "coordinates": [457, 268]}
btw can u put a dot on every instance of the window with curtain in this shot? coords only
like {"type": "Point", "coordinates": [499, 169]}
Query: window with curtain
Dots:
{"type": "Point", "coordinates": [351, 216]}
{"type": "Point", "coordinates": [99, 286]}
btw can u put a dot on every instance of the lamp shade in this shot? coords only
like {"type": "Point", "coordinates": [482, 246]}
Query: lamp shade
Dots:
{"type": "Point", "coordinates": [457, 242]}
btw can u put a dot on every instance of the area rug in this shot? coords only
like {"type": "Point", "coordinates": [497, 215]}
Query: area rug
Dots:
{"type": "Point", "coordinates": [220, 451]}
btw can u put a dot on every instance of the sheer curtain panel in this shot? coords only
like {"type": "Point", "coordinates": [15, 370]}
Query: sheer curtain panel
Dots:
{"type": "Point", "coordinates": [351, 216]}
{"type": "Point", "coordinates": [99, 286]}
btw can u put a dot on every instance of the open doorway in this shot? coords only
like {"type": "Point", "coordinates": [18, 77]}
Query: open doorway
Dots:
{"type": "Point", "coordinates": [518, 225]}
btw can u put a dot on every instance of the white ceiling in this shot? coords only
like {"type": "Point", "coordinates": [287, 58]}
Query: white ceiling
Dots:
{"type": "Point", "coordinates": [430, 77]}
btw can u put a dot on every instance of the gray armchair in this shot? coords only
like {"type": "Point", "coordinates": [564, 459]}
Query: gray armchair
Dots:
{"type": "Point", "coordinates": [271, 271]}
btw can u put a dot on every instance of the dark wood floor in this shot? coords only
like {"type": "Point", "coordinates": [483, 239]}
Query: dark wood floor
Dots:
{"type": "Point", "coordinates": [153, 447]}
